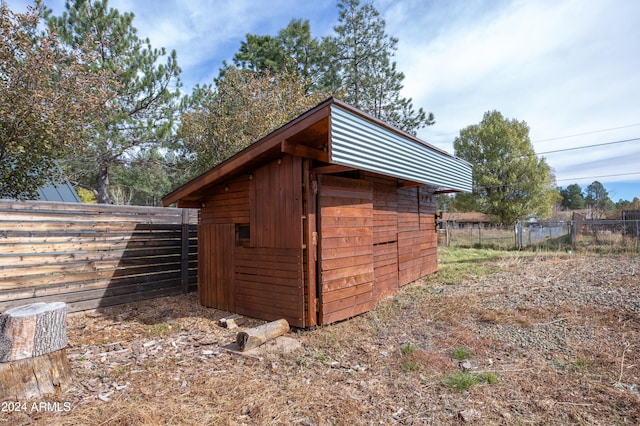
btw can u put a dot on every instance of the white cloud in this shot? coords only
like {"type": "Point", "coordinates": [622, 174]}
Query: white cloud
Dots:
{"type": "Point", "coordinates": [564, 67]}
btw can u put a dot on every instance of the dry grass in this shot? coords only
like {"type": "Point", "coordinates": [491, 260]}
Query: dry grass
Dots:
{"type": "Point", "coordinates": [551, 340]}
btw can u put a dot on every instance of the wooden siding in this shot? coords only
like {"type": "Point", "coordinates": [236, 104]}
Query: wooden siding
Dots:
{"type": "Point", "coordinates": [228, 203]}
{"type": "Point", "coordinates": [429, 242]}
{"type": "Point", "coordinates": [264, 277]}
{"type": "Point", "coordinates": [409, 237]}
{"type": "Point", "coordinates": [276, 214]}
{"type": "Point", "coordinates": [216, 265]}
{"type": "Point", "coordinates": [91, 256]}
{"type": "Point", "coordinates": [346, 229]}
{"type": "Point", "coordinates": [385, 234]}
{"type": "Point", "coordinates": [269, 284]}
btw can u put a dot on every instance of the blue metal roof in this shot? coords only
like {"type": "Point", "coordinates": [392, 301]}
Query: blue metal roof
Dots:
{"type": "Point", "coordinates": [63, 192]}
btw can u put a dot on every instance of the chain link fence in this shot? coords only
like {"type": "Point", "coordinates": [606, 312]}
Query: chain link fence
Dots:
{"type": "Point", "coordinates": [621, 235]}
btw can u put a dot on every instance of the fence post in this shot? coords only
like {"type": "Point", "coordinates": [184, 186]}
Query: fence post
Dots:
{"type": "Point", "coordinates": [517, 227]}
{"type": "Point", "coordinates": [184, 253]}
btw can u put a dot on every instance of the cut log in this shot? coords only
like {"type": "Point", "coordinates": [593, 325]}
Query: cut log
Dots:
{"type": "Point", "coordinates": [35, 377]}
{"type": "Point", "coordinates": [254, 337]}
{"type": "Point", "coordinates": [32, 330]}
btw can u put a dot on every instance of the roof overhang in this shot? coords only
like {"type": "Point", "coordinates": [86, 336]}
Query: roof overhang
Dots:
{"type": "Point", "coordinates": [339, 136]}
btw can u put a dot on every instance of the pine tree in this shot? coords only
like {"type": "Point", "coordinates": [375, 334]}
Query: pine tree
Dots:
{"type": "Point", "coordinates": [368, 74]}
{"type": "Point", "coordinates": [145, 92]}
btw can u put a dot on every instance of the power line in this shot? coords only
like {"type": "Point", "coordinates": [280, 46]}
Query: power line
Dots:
{"type": "Point", "coordinates": [516, 184]}
{"type": "Point", "coordinates": [598, 177]}
{"type": "Point", "coordinates": [587, 133]}
{"type": "Point", "coordinates": [587, 146]}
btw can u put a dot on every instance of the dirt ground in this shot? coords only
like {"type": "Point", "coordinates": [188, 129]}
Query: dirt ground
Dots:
{"type": "Point", "coordinates": [551, 339]}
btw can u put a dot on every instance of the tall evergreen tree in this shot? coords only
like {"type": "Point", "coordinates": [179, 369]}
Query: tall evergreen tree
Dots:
{"type": "Point", "coordinates": [293, 49]}
{"type": "Point", "coordinates": [572, 198]}
{"type": "Point", "coordinates": [364, 53]}
{"type": "Point", "coordinates": [597, 198]}
{"type": "Point", "coordinates": [145, 95]}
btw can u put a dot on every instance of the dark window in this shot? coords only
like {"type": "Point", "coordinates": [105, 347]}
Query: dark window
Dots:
{"type": "Point", "coordinates": [243, 234]}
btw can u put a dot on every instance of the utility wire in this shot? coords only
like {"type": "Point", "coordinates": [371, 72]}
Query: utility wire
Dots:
{"type": "Point", "coordinates": [586, 133]}
{"type": "Point", "coordinates": [587, 146]}
{"type": "Point", "coordinates": [598, 177]}
{"type": "Point", "coordinates": [516, 184]}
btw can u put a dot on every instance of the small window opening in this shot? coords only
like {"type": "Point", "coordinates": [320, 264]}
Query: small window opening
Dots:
{"type": "Point", "coordinates": [243, 234]}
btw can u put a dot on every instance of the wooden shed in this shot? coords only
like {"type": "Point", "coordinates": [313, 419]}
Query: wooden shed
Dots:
{"type": "Point", "coordinates": [320, 219]}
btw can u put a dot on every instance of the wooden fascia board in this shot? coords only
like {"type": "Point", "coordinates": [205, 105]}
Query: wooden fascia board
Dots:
{"type": "Point", "coordinates": [250, 153]}
{"type": "Point", "coordinates": [334, 168]}
{"type": "Point", "coordinates": [406, 183]}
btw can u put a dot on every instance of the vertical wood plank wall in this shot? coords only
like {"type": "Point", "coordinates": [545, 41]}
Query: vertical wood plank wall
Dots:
{"type": "Point", "coordinates": [263, 278]}
{"type": "Point", "coordinates": [227, 205]}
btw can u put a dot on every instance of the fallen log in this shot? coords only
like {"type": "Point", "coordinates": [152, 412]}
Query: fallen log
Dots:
{"type": "Point", "coordinates": [254, 337]}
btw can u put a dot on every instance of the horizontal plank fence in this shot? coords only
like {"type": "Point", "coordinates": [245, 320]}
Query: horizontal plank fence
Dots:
{"type": "Point", "coordinates": [91, 256]}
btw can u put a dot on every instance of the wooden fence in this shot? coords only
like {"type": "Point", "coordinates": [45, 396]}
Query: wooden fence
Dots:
{"type": "Point", "coordinates": [92, 256]}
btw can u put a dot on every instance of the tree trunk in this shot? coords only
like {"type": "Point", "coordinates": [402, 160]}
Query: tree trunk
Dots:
{"type": "Point", "coordinates": [33, 361]}
{"type": "Point", "coordinates": [254, 337]}
{"type": "Point", "coordinates": [35, 377]}
{"type": "Point", "coordinates": [102, 196]}
{"type": "Point", "coordinates": [32, 330]}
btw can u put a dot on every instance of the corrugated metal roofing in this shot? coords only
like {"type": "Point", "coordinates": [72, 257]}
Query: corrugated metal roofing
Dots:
{"type": "Point", "coordinates": [362, 144]}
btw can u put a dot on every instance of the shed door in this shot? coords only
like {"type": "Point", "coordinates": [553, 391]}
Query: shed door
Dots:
{"type": "Point", "coordinates": [216, 265]}
{"type": "Point", "coordinates": [346, 247]}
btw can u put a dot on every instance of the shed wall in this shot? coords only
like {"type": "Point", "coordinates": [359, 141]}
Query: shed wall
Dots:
{"type": "Point", "coordinates": [262, 277]}
{"type": "Point", "coordinates": [346, 247]}
{"type": "Point", "coordinates": [375, 237]}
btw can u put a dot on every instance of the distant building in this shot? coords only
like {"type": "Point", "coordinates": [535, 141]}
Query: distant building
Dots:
{"type": "Point", "coordinates": [466, 220]}
{"type": "Point", "coordinates": [61, 192]}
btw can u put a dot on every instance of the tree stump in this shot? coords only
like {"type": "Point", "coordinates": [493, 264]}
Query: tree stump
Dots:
{"type": "Point", "coordinates": [254, 337]}
{"type": "Point", "coordinates": [33, 361]}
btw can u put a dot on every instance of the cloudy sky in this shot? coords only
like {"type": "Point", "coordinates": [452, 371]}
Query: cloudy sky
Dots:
{"type": "Point", "coordinates": [570, 69]}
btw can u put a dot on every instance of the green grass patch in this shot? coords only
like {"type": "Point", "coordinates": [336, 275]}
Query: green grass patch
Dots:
{"type": "Point", "coordinates": [162, 329]}
{"type": "Point", "coordinates": [460, 381]}
{"type": "Point", "coordinates": [460, 353]}
{"type": "Point", "coordinates": [407, 349]}
{"type": "Point", "coordinates": [457, 263]}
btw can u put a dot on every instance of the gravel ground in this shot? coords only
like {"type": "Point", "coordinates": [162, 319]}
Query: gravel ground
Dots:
{"type": "Point", "coordinates": [545, 340]}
